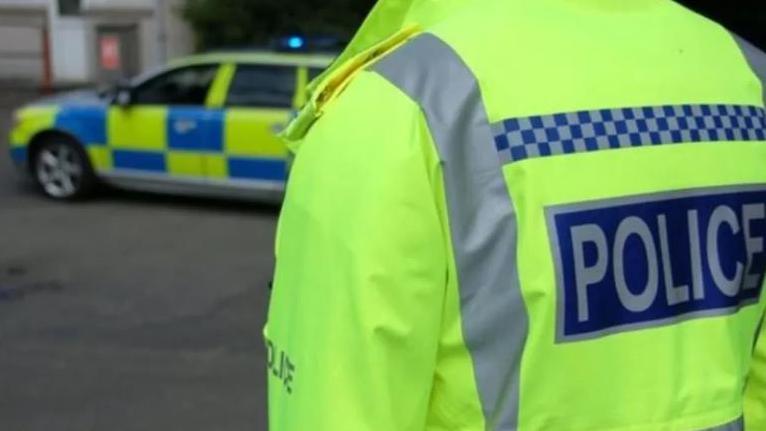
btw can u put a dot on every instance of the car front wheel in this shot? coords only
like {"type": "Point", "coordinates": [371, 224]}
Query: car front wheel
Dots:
{"type": "Point", "coordinates": [62, 170]}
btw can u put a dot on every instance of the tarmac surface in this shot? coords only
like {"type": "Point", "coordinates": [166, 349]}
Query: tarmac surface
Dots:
{"type": "Point", "coordinates": [130, 311]}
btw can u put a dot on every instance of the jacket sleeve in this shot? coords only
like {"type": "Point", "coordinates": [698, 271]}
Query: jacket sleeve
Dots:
{"type": "Point", "coordinates": [755, 393]}
{"type": "Point", "coordinates": [356, 309]}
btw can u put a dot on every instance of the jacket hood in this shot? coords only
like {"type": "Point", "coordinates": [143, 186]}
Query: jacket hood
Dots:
{"type": "Point", "coordinates": [389, 21]}
{"type": "Point", "coordinates": [389, 17]}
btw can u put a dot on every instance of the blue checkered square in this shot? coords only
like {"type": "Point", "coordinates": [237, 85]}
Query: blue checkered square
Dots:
{"type": "Point", "coordinates": [518, 153]}
{"type": "Point", "coordinates": [577, 131]}
{"type": "Point", "coordinates": [591, 144]}
{"type": "Point", "coordinates": [511, 125]}
{"type": "Point", "coordinates": [600, 129]}
{"type": "Point", "coordinates": [568, 146]}
{"type": "Point", "coordinates": [552, 134]}
{"type": "Point", "coordinates": [528, 137]}
{"type": "Point", "coordinates": [502, 143]}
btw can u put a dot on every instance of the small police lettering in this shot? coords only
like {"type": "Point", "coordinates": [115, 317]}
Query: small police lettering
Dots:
{"type": "Point", "coordinates": [280, 365]}
{"type": "Point", "coordinates": [632, 263]}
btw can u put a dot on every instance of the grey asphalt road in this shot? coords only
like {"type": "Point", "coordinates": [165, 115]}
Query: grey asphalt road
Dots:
{"type": "Point", "coordinates": [130, 311]}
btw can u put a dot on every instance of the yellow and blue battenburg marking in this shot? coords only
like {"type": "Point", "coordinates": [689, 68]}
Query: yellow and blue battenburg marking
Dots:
{"type": "Point", "coordinates": [30, 121]}
{"type": "Point", "coordinates": [86, 123]}
{"type": "Point", "coordinates": [518, 139]}
{"type": "Point", "coordinates": [19, 155]}
{"type": "Point", "coordinates": [184, 141]}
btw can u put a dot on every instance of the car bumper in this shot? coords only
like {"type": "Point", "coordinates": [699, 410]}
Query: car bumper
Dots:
{"type": "Point", "coordinates": [19, 158]}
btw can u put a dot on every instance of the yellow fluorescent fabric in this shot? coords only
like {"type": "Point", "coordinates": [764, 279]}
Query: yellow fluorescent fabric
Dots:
{"type": "Point", "coordinates": [215, 166]}
{"type": "Point", "coordinates": [357, 253]}
{"type": "Point", "coordinates": [755, 397]}
{"type": "Point", "coordinates": [251, 132]}
{"type": "Point", "coordinates": [632, 55]}
{"type": "Point", "coordinates": [344, 353]}
{"type": "Point", "coordinates": [32, 121]}
{"type": "Point", "coordinates": [216, 97]}
{"type": "Point", "coordinates": [691, 369]}
{"type": "Point", "coordinates": [100, 158]}
{"type": "Point", "coordinates": [301, 84]}
{"type": "Point", "coordinates": [657, 55]}
{"type": "Point", "coordinates": [185, 163]}
{"type": "Point", "coordinates": [137, 128]}
{"type": "Point", "coordinates": [387, 18]}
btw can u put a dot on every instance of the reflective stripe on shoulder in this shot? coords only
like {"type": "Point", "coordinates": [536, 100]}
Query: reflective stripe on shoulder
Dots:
{"type": "Point", "coordinates": [737, 425]}
{"type": "Point", "coordinates": [757, 60]}
{"type": "Point", "coordinates": [481, 217]}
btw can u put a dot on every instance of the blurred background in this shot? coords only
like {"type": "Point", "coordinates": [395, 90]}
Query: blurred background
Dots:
{"type": "Point", "coordinates": [74, 42]}
{"type": "Point", "coordinates": [133, 311]}
{"type": "Point", "coordinates": [64, 43]}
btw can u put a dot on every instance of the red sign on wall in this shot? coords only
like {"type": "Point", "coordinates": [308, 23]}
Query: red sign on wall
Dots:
{"type": "Point", "coordinates": [110, 52]}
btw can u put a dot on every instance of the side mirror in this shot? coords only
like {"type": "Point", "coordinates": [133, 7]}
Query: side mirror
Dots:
{"type": "Point", "coordinates": [123, 95]}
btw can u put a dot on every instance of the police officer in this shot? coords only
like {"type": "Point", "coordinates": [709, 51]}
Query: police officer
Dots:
{"type": "Point", "coordinates": [526, 215]}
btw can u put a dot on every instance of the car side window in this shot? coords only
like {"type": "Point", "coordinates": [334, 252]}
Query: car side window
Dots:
{"type": "Point", "coordinates": [185, 86]}
{"type": "Point", "coordinates": [314, 72]}
{"type": "Point", "coordinates": [262, 86]}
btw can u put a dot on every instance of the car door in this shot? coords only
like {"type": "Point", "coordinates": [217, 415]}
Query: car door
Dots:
{"type": "Point", "coordinates": [258, 105]}
{"type": "Point", "coordinates": [166, 129]}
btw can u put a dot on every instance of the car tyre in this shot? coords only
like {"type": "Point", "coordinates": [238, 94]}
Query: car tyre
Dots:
{"type": "Point", "coordinates": [62, 170]}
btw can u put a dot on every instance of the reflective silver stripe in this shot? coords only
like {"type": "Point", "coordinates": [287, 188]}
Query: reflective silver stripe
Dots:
{"type": "Point", "coordinates": [481, 217]}
{"type": "Point", "coordinates": [757, 60]}
{"type": "Point", "coordinates": [738, 425]}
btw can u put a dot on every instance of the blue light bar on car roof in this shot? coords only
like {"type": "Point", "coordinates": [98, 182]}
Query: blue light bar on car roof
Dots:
{"type": "Point", "coordinates": [295, 42]}
{"type": "Point", "coordinates": [302, 43]}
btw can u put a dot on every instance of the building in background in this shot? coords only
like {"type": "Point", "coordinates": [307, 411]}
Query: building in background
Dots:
{"type": "Point", "coordinates": [23, 25]}
{"type": "Point", "coordinates": [75, 42]}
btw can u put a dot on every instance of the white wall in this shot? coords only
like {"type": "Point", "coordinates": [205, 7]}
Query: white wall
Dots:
{"type": "Point", "coordinates": [71, 50]}
{"type": "Point", "coordinates": [72, 38]}
{"type": "Point", "coordinates": [21, 39]}
{"type": "Point", "coordinates": [21, 52]}
{"type": "Point", "coordinates": [118, 4]}
{"type": "Point", "coordinates": [25, 4]}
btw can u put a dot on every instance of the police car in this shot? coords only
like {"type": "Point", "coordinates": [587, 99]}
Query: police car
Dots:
{"type": "Point", "coordinates": [202, 125]}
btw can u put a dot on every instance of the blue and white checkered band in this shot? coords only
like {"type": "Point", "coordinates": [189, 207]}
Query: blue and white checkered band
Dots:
{"type": "Point", "coordinates": [518, 139]}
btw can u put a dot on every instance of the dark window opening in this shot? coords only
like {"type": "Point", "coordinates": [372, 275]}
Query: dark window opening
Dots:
{"type": "Point", "coordinates": [69, 7]}
{"type": "Point", "coordinates": [262, 86]}
{"type": "Point", "coordinates": [187, 86]}
{"type": "Point", "coordinates": [314, 72]}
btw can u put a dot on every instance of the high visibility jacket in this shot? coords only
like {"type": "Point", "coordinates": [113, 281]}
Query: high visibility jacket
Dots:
{"type": "Point", "coordinates": [526, 215]}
